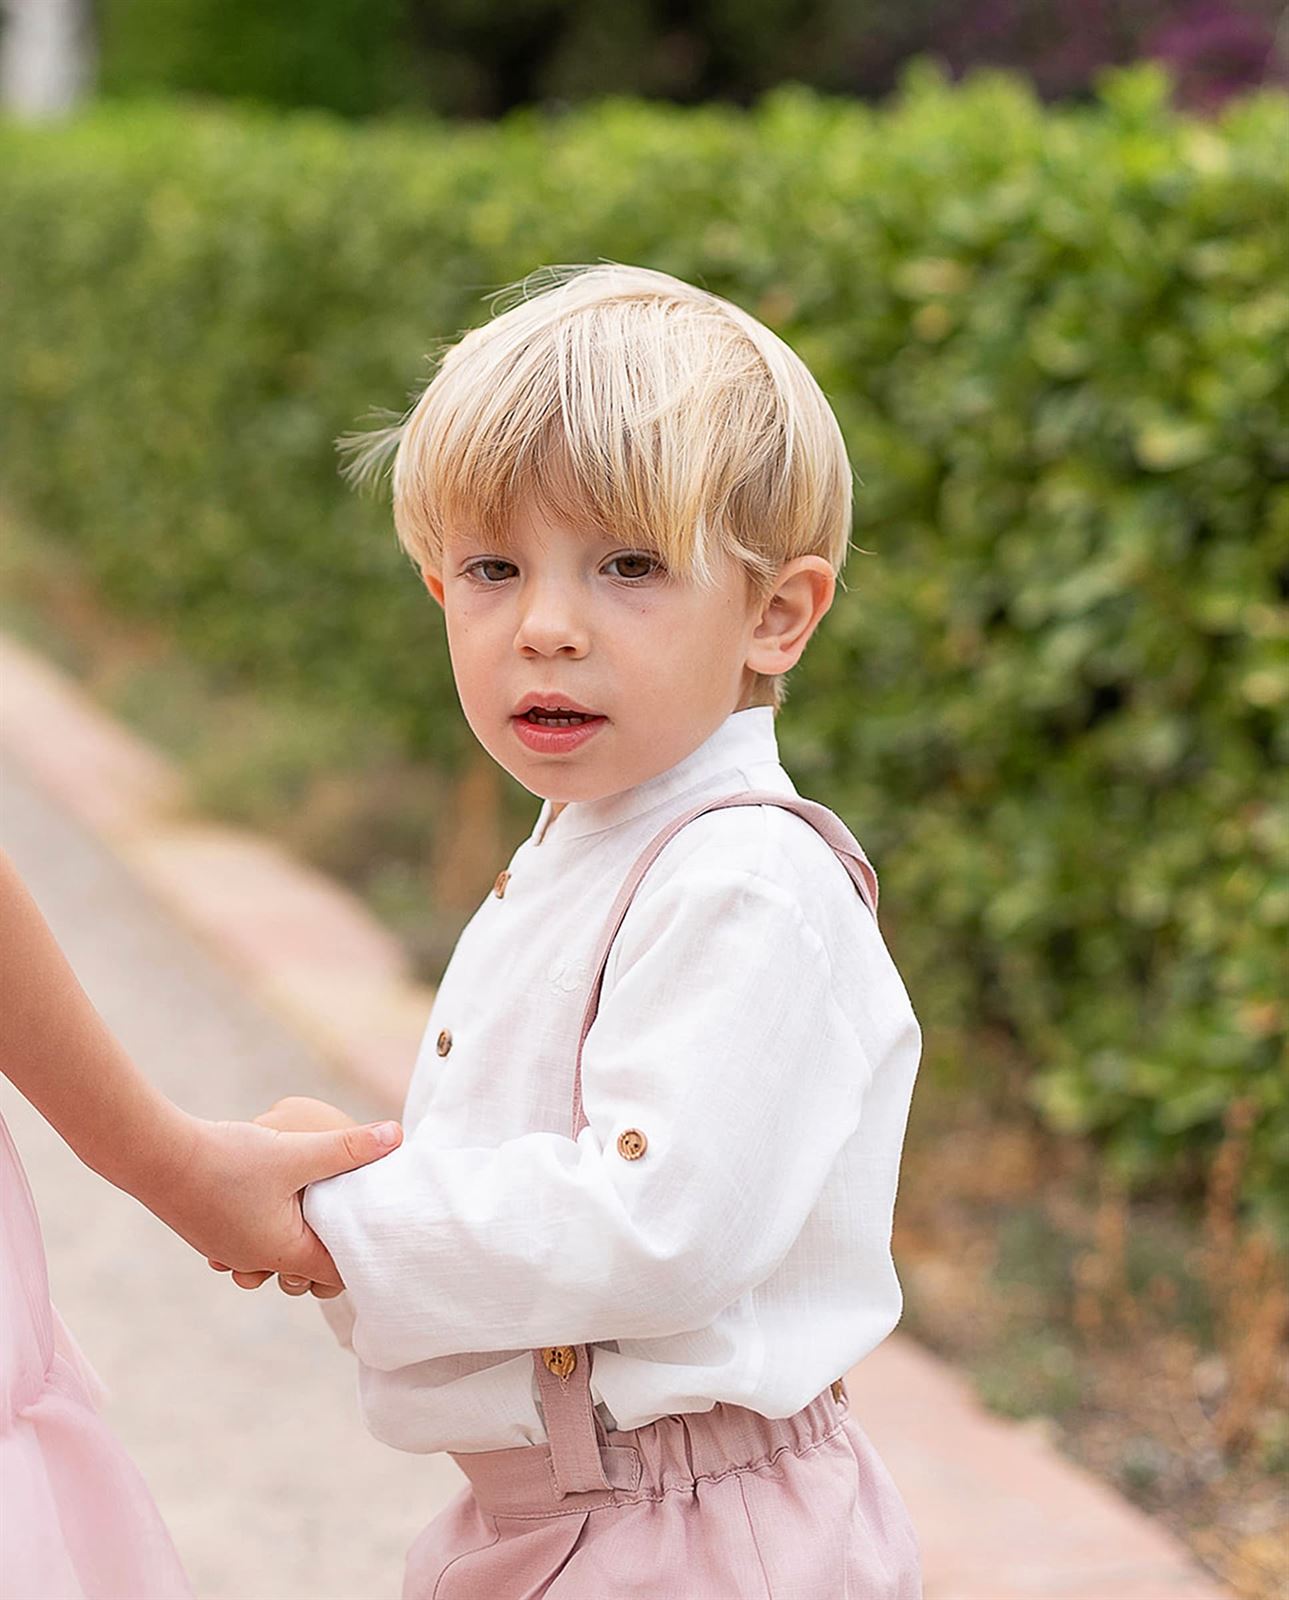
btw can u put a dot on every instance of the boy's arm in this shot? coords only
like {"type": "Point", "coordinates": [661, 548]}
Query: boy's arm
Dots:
{"type": "Point", "coordinates": [720, 1042]}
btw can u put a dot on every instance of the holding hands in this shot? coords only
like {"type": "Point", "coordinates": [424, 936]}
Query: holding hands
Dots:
{"type": "Point", "coordinates": [231, 1189]}
{"type": "Point", "coordinates": [302, 1141]}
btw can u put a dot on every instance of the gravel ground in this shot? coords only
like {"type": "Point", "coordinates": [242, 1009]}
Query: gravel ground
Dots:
{"type": "Point", "coordinates": [239, 1408]}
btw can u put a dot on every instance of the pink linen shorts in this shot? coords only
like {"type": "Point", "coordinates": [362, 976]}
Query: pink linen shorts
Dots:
{"type": "Point", "coordinates": [714, 1505]}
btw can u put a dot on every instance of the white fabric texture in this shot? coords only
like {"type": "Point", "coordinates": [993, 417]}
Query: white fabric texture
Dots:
{"type": "Point", "coordinates": [752, 1025]}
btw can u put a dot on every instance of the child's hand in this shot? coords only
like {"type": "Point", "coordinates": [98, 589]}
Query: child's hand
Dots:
{"type": "Point", "coordinates": [298, 1114]}
{"type": "Point", "coordinates": [232, 1190]}
{"type": "Point", "coordinates": [295, 1114]}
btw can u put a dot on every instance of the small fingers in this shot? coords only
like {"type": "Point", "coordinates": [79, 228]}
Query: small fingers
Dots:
{"type": "Point", "coordinates": [324, 1291]}
{"type": "Point", "coordinates": [250, 1280]}
{"type": "Point", "coordinates": [293, 1286]}
{"type": "Point", "coordinates": [218, 1266]}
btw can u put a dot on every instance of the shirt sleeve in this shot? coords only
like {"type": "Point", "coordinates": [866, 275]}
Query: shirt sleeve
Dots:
{"type": "Point", "coordinates": [338, 1312]}
{"type": "Point", "coordinates": [721, 1042]}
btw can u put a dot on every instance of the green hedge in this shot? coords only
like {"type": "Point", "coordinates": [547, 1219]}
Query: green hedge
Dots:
{"type": "Point", "coordinates": [1052, 699]}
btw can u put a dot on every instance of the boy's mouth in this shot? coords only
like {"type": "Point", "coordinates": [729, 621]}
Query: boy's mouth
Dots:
{"type": "Point", "coordinates": [554, 729]}
{"type": "Point", "coordinates": [552, 708]}
{"type": "Point", "coordinates": [558, 719]}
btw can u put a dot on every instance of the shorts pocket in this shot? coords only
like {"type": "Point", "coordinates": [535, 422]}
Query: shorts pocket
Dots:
{"type": "Point", "coordinates": [496, 1556]}
{"type": "Point", "coordinates": [459, 1532]}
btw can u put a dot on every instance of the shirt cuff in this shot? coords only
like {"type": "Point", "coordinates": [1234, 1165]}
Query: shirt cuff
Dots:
{"type": "Point", "coordinates": [341, 1316]}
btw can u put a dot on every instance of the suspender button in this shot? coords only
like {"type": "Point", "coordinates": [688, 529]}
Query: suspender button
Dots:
{"type": "Point", "coordinates": [560, 1359]}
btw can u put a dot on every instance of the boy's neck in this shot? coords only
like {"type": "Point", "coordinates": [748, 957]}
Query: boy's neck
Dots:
{"type": "Point", "coordinates": [558, 805]}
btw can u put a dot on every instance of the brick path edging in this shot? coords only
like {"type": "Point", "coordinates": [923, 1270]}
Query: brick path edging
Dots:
{"type": "Point", "coordinates": [1001, 1514]}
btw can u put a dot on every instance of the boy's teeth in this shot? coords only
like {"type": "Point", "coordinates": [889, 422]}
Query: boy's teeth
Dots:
{"type": "Point", "coordinates": [550, 718]}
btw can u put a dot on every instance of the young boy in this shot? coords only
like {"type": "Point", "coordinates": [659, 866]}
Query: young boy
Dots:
{"type": "Point", "coordinates": [641, 1221]}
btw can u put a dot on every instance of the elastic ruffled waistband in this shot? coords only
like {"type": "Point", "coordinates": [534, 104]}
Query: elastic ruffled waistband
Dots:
{"type": "Point", "coordinates": [644, 1463]}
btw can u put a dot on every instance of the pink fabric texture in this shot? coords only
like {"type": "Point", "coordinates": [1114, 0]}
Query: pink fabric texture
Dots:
{"type": "Point", "coordinates": [726, 1505]}
{"type": "Point", "coordinates": [78, 1522]}
{"type": "Point", "coordinates": [701, 1505]}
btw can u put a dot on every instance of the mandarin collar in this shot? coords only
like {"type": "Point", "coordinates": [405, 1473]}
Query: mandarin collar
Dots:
{"type": "Point", "coordinates": [745, 738]}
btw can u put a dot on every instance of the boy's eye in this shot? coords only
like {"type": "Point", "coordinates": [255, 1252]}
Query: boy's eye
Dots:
{"type": "Point", "coordinates": [478, 566]}
{"type": "Point", "coordinates": [648, 562]}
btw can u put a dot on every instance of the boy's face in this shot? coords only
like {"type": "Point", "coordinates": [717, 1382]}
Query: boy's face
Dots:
{"type": "Point", "coordinates": [588, 618]}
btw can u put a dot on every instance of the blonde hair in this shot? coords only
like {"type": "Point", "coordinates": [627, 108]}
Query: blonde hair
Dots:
{"type": "Point", "coordinates": [624, 398]}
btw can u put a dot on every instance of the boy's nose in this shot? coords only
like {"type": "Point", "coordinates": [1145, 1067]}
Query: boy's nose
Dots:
{"type": "Point", "coordinates": [550, 626]}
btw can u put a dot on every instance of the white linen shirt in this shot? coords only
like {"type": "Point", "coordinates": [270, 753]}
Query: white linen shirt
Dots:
{"type": "Point", "coordinates": [751, 1024]}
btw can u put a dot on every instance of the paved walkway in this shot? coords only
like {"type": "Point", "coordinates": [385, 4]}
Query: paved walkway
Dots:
{"type": "Point", "coordinates": [239, 1407]}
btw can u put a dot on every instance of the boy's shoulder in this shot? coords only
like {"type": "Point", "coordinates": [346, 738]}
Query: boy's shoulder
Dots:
{"type": "Point", "coordinates": [768, 842]}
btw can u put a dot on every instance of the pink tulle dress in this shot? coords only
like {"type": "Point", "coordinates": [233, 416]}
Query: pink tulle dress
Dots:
{"type": "Point", "coordinates": [76, 1519]}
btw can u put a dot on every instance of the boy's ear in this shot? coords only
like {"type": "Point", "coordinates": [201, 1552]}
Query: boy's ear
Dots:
{"type": "Point", "coordinates": [434, 585]}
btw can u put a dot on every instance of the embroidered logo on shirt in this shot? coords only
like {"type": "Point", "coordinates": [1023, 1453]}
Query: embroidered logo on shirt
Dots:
{"type": "Point", "coordinates": [568, 976]}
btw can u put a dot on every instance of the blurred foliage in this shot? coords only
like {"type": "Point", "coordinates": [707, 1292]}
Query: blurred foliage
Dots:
{"type": "Point", "coordinates": [478, 58]}
{"type": "Point", "coordinates": [1052, 701]}
{"type": "Point", "coordinates": [347, 56]}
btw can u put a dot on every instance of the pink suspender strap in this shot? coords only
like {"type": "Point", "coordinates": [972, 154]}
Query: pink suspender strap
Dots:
{"type": "Point", "coordinates": [580, 1459]}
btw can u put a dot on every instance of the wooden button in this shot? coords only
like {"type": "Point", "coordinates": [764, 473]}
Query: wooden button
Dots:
{"type": "Point", "coordinates": [838, 1389]}
{"type": "Point", "coordinates": [499, 888]}
{"type": "Point", "coordinates": [445, 1042]}
{"type": "Point", "coordinates": [632, 1144]}
{"type": "Point", "coordinates": [560, 1359]}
